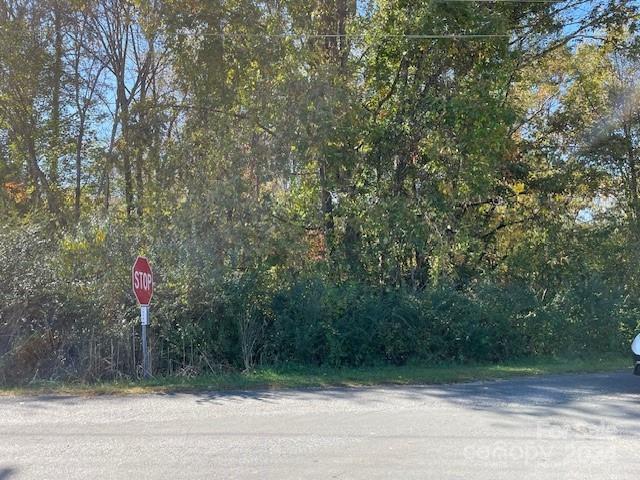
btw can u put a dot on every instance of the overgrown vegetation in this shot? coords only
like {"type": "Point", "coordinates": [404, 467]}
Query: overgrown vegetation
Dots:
{"type": "Point", "coordinates": [68, 312]}
{"type": "Point", "coordinates": [327, 183]}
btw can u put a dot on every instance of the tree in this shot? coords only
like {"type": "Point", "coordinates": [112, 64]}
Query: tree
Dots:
{"type": "Point", "coordinates": [24, 97]}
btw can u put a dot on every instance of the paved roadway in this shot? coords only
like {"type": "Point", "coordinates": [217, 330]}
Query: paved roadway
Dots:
{"type": "Point", "coordinates": [556, 427]}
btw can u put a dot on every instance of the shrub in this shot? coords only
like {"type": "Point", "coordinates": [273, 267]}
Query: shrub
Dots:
{"type": "Point", "coordinates": [67, 311]}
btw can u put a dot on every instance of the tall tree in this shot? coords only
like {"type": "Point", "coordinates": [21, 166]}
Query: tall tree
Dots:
{"type": "Point", "coordinates": [25, 90]}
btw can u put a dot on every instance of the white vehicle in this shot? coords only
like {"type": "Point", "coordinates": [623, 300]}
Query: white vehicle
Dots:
{"type": "Point", "coordinates": [635, 348]}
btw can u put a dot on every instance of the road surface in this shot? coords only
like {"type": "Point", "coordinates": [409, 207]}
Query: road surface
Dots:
{"type": "Point", "coordinates": [556, 427]}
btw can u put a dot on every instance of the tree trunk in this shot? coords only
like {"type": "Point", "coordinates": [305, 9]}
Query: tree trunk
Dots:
{"type": "Point", "coordinates": [327, 206]}
{"type": "Point", "coordinates": [108, 159]}
{"type": "Point", "coordinates": [140, 147]}
{"type": "Point", "coordinates": [126, 157]}
{"type": "Point", "coordinates": [79, 141]}
{"type": "Point", "coordinates": [633, 183]}
{"type": "Point", "coordinates": [54, 144]}
{"type": "Point", "coordinates": [40, 179]}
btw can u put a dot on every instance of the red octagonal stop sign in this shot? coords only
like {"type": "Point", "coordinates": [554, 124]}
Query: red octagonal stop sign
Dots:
{"type": "Point", "coordinates": [142, 280]}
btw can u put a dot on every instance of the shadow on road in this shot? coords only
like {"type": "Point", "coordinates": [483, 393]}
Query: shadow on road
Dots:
{"type": "Point", "coordinates": [531, 396]}
{"type": "Point", "coordinates": [43, 401]}
{"type": "Point", "coordinates": [6, 472]}
{"type": "Point", "coordinates": [547, 391]}
{"type": "Point", "coordinates": [587, 399]}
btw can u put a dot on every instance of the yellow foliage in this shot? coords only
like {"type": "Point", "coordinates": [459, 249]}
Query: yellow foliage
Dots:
{"type": "Point", "coordinates": [519, 188]}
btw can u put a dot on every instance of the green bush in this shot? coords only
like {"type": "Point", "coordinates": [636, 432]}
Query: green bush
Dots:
{"type": "Point", "coordinates": [67, 311]}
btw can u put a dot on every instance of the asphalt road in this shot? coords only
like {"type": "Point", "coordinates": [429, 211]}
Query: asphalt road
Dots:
{"type": "Point", "coordinates": [564, 427]}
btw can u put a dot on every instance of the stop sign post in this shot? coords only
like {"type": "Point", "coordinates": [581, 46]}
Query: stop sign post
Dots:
{"type": "Point", "coordinates": [142, 284]}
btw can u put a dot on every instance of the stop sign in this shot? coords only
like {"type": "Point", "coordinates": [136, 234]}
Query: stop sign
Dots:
{"type": "Point", "coordinates": [142, 280]}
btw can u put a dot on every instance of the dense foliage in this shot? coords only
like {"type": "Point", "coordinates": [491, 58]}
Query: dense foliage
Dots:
{"type": "Point", "coordinates": [327, 182]}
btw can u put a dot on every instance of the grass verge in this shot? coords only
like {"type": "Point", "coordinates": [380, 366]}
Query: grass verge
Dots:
{"type": "Point", "coordinates": [309, 377]}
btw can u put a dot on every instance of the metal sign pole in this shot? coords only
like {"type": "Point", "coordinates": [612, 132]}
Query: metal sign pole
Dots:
{"type": "Point", "coordinates": [144, 320]}
{"type": "Point", "coordinates": [142, 285]}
